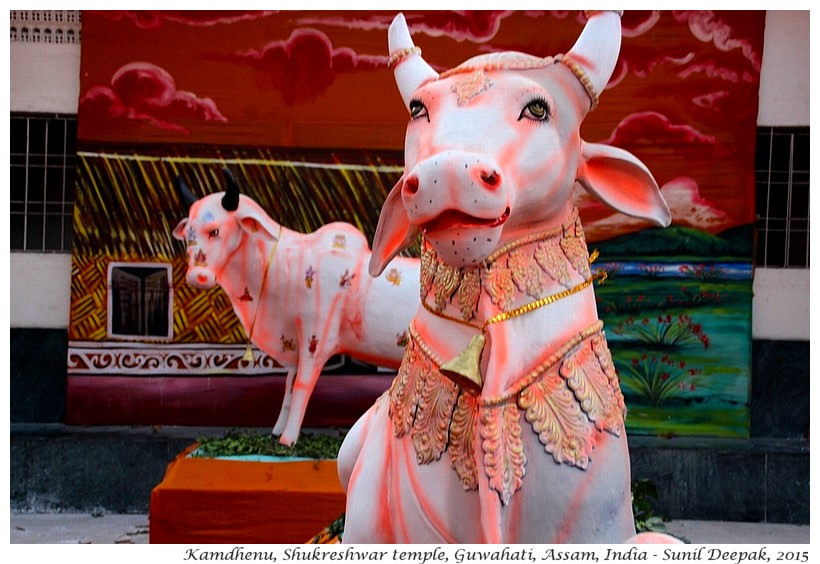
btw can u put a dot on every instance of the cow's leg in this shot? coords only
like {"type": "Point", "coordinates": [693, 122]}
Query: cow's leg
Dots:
{"type": "Point", "coordinates": [364, 462]}
{"type": "Point", "coordinates": [286, 400]}
{"type": "Point", "coordinates": [307, 374]}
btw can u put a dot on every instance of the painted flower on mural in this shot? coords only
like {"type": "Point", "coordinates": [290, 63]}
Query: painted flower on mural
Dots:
{"type": "Point", "coordinates": [651, 270]}
{"type": "Point", "coordinates": [701, 272]}
{"type": "Point", "coordinates": [658, 379]}
{"type": "Point", "coordinates": [637, 305]}
{"type": "Point", "coordinates": [663, 332]}
{"type": "Point", "coordinates": [694, 298]}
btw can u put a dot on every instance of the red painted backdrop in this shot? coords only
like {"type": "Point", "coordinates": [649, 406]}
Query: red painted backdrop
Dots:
{"type": "Point", "coordinates": [162, 85]}
{"type": "Point", "coordinates": [686, 80]}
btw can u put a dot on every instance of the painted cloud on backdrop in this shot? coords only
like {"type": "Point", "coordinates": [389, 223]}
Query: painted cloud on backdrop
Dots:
{"type": "Point", "coordinates": [145, 92]}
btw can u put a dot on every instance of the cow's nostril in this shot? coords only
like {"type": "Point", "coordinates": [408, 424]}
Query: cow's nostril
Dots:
{"type": "Point", "coordinates": [491, 179]}
{"type": "Point", "coordinates": [411, 185]}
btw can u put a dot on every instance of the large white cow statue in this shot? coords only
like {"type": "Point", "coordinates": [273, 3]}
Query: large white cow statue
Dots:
{"type": "Point", "coordinates": [505, 423]}
{"type": "Point", "coordinates": [301, 298]}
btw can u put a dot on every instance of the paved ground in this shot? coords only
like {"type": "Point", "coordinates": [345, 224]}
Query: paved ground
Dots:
{"type": "Point", "coordinates": [722, 532]}
{"type": "Point", "coordinates": [76, 528]}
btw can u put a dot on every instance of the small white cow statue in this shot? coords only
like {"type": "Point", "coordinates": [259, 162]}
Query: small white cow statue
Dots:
{"type": "Point", "coordinates": [505, 422]}
{"type": "Point", "coordinates": [301, 298]}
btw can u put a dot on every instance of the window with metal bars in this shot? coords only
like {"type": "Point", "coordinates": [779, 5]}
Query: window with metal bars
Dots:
{"type": "Point", "coordinates": [782, 192]}
{"type": "Point", "coordinates": [43, 155]}
{"type": "Point", "coordinates": [41, 181]}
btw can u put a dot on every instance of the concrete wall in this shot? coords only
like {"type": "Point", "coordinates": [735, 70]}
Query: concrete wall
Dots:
{"type": "Point", "coordinates": [45, 78]}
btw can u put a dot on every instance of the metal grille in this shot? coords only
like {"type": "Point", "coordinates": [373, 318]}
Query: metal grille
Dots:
{"type": "Point", "coordinates": [41, 183]}
{"type": "Point", "coordinates": [782, 185]}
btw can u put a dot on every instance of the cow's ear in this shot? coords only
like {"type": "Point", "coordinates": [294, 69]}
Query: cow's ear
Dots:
{"type": "Point", "coordinates": [394, 233]}
{"type": "Point", "coordinates": [179, 230]}
{"type": "Point", "coordinates": [619, 179]}
{"type": "Point", "coordinates": [255, 223]}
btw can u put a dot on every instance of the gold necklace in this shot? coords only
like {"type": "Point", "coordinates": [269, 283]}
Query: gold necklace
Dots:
{"type": "Point", "coordinates": [248, 348]}
{"type": "Point", "coordinates": [507, 268]}
{"type": "Point", "coordinates": [465, 368]}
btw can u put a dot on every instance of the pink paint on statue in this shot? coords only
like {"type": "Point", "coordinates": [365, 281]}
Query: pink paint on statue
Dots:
{"type": "Point", "coordinates": [301, 298]}
{"type": "Point", "coordinates": [505, 423]}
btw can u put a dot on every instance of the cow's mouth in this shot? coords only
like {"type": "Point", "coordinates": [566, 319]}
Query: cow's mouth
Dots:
{"type": "Point", "coordinates": [453, 219]}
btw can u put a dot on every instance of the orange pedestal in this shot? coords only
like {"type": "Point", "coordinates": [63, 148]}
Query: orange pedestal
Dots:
{"type": "Point", "coordinates": [212, 501]}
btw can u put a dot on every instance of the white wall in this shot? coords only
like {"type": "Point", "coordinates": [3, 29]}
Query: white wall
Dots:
{"type": "Point", "coordinates": [784, 77]}
{"type": "Point", "coordinates": [780, 308]}
{"type": "Point", "coordinates": [40, 289]}
{"type": "Point", "coordinates": [45, 78]}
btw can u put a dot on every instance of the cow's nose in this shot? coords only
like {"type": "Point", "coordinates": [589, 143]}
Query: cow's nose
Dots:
{"type": "Point", "coordinates": [411, 185]}
{"type": "Point", "coordinates": [491, 179]}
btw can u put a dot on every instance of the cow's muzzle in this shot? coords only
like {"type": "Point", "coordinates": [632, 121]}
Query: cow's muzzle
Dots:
{"type": "Point", "coordinates": [460, 201]}
{"type": "Point", "coordinates": [200, 279]}
{"type": "Point", "coordinates": [459, 186]}
{"type": "Point", "coordinates": [454, 219]}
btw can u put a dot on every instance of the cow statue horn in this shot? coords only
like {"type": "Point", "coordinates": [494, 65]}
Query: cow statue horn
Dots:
{"type": "Point", "coordinates": [409, 69]}
{"type": "Point", "coordinates": [596, 51]}
{"type": "Point", "coordinates": [230, 201]}
{"type": "Point", "coordinates": [184, 192]}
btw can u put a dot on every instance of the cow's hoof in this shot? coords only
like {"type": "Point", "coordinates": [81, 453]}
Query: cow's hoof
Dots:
{"type": "Point", "coordinates": [287, 440]}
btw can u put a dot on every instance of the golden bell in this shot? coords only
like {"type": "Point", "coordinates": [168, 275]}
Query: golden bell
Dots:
{"type": "Point", "coordinates": [465, 369]}
{"type": "Point", "coordinates": [248, 353]}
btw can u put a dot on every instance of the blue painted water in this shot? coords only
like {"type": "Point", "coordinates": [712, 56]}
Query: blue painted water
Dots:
{"type": "Point", "coordinates": [715, 270]}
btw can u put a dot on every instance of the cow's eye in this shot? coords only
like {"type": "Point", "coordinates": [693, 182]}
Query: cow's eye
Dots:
{"type": "Point", "coordinates": [537, 110]}
{"type": "Point", "coordinates": [213, 233]}
{"type": "Point", "coordinates": [418, 110]}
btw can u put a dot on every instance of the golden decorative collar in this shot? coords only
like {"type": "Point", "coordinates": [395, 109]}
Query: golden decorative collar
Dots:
{"type": "Point", "coordinates": [525, 266]}
{"type": "Point", "coordinates": [568, 397]}
{"type": "Point", "coordinates": [521, 264]}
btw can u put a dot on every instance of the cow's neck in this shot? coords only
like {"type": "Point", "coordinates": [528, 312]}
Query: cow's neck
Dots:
{"type": "Point", "coordinates": [248, 274]}
{"type": "Point", "coordinates": [514, 300]}
{"type": "Point", "coordinates": [520, 272]}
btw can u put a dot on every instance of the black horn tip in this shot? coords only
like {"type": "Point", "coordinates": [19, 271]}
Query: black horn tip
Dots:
{"type": "Point", "coordinates": [184, 192]}
{"type": "Point", "coordinates": [230, 201]}
{"type": "Point", "coordinates": [229, 175]}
